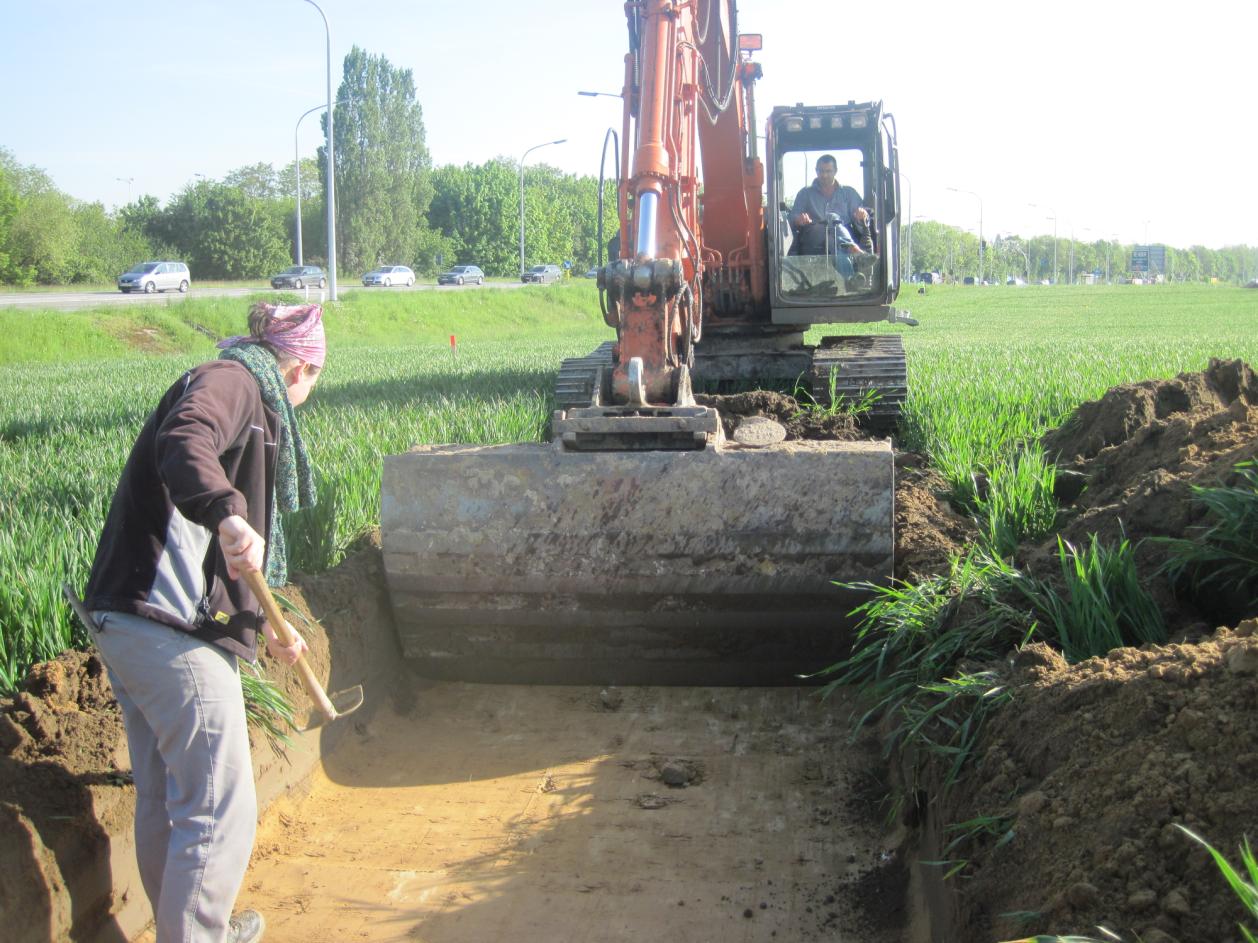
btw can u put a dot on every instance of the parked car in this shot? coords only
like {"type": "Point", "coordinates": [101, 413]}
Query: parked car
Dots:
{"type": "Point", "coordinates": [155, 276]}
{"type": "Point", "coordinates": [542, 274]}
{"type": "Point", "coordinates": [462, 274]}
{"type": "Point", "coordinates": [390, 275]}
{"type": "Point", "coordinates": [299, 276]}
{"type": "Point", "coordinates": [592, 273]}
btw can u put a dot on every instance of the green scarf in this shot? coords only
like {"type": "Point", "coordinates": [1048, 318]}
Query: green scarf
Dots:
{"type": "Point", "coordinates": [294, 478]}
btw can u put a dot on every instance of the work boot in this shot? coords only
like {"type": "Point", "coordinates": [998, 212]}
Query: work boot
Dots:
{"type": "Point", "coordinates": [245, 927]}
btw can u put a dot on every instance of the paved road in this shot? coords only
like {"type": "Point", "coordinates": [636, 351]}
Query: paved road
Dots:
{"type": "Point", "coordinates": [75, 300]}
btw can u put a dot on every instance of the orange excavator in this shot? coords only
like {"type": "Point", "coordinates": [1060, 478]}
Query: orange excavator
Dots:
{"type": "Point", "coordinates": [640, 545]}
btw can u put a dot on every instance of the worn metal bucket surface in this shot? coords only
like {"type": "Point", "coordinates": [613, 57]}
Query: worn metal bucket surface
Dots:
{"type": "Point", "coordinates": [526, 562]}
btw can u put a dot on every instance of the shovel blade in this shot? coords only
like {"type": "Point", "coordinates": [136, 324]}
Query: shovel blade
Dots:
{"type": "Point", "coordinates": [344, 703]}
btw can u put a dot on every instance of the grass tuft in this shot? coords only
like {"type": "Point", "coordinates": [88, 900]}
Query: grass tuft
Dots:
{"type": "Point", "coordinates": [1100, 604]}
{"type": "Point", "coordinates": [1225, 556]}
{"type": "Point", "coordinates": [1244, 886]}
{"type": "Point", "coordinates": [909, 651]}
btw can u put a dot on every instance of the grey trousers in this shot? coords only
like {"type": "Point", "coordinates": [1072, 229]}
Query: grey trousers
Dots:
{"type": "Point", "coordinates": [196, 809]}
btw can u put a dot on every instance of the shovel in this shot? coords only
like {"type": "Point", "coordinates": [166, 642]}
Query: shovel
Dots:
{"type": "Point", "coordinates": [327, 709]}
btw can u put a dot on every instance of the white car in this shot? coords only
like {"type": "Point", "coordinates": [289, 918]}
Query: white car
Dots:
{"type": "Point", "coordinates": [390, 275]}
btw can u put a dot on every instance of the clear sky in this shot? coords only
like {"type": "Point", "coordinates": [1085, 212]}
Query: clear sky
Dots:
{"type": "Point", "coordinates": [1127, 120]}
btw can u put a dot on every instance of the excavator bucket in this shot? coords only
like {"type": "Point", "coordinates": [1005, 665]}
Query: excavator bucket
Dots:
{"type": "Point", "coordinates": [719, 566]}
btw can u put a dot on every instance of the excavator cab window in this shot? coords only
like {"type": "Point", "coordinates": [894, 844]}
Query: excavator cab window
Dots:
{"type": "Point", "coordinates": [828, 245]}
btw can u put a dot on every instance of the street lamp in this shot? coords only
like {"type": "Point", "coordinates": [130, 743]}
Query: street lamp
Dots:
{"type": "Point", "coordinates": [980, 227]}
{"type": "Point", "coordinates": [297, 167]}
{"type": "Point", "coordinates": [601, 94]}
{"type": "Point", "coordinates": [1070, 279]}
{"type": "Point", "coordinates": [1039, 206]}
{"type": "Point", "coordinates": [128, 181]}
{"type": "Point", "coordinates": [522, 160]}
{"type": "Point", "coordinates": [331, 163]}
{"type": "Point", "coordinates": [907, 213]}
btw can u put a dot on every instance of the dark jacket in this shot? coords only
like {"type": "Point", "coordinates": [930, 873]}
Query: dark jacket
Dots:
{"type": "Point", "coordinates": [208, 451]}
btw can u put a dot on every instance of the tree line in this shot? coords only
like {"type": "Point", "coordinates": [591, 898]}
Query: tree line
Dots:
{"type": "Point", "coordinates": [395, 208]}
{"type": "Point", "coordinates": [931, 246]}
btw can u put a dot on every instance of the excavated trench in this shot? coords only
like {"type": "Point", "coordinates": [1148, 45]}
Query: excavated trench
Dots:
{"type": "Point", "coordinates": [447, 811]}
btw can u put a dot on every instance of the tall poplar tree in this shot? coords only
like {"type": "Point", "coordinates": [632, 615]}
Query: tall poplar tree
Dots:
{"type": "Point", "coordinates": [383, 184]}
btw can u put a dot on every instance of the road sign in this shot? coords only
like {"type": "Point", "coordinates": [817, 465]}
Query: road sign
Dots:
{"type": "Point", "coordinates": [1148, 259]}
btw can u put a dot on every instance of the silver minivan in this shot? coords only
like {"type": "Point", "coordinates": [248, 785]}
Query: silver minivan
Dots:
{"type": "Point", "coordinates": [149, 277]}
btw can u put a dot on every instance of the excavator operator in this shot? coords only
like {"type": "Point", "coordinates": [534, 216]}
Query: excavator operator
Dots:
{"type": "Point", "coordinates": [827, 205]}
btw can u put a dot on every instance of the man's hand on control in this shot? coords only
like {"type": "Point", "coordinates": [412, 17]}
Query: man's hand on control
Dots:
{"type": "Point", "coordinates": [243, 547]}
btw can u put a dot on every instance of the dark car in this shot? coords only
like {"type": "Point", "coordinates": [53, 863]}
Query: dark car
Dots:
{"type": "Point", "coordinates": [542, 274]}
{"type": "Point", "coordinates": [462, 274]}
{"type": "Point", "coordinates": [300, 276]}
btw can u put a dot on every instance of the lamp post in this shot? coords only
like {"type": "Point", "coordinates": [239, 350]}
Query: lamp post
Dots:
{"type": "Point", "coordinates": [128, 181]}
{"type": "Point", "coordinates": [1039, 206]}
{"type": "Point", "coordinates": [331, 163]}
{"type": "Point", "coordinates": [1070, 278]}
{"type": "Point", "coordinates": [601, 94]}
{"type": "Point", "coordinates": [980, 228]}
{"type": "Point", "coordinates": [297, 168]}
{"type": "Point", "coordinates": [522, 160]}
{"type": "Point", "coordinates": [907, 213]}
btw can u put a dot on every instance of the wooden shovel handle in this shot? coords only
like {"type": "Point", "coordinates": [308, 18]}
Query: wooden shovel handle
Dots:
{"type": "Point", "coordinates": [257, 585]}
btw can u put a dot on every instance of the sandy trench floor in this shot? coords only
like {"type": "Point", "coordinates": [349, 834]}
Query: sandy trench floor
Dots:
{"type": "Point", "coordinates": [494, 812]}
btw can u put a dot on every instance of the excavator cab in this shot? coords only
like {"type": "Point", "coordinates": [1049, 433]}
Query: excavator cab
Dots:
{"type": "Point", "coordinates": [837, 269]}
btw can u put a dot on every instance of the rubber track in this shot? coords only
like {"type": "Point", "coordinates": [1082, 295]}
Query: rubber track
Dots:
{"type": "Point", "coordinates": [574, 387]}
{"type": "Point", "coordinates": [864, 362]}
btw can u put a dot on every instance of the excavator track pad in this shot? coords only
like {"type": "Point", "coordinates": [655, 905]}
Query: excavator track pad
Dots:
{"type": "Point", "coordinates": [536, 563]}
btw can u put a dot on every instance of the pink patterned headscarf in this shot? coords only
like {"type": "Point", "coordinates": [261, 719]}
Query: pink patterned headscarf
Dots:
{"type": "Point", "coordinates": [296, 330]}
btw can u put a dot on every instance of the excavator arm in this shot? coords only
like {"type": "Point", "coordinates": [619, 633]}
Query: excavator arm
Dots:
{"type": "Point", "coordinates": [688, 99]}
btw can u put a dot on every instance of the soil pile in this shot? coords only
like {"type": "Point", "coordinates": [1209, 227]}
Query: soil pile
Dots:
{"type": "Point", "coordinates": [1093, 765]}
{"type": "Point", "coordinates": [1141, 449]}
{"type": "Point", "coordinates": [64, 790]}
